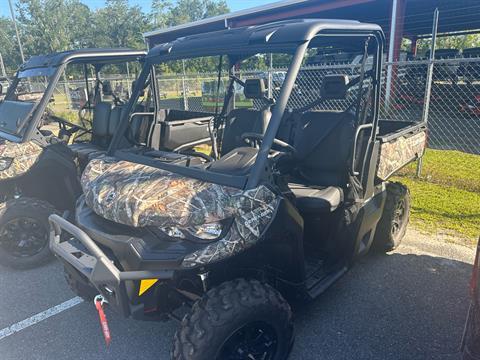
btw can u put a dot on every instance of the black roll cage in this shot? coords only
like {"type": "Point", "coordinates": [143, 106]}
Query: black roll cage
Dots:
{"type": "Point", "coordinates": [259, 44]}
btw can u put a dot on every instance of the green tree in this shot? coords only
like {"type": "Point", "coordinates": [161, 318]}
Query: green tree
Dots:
{"type": "Point", "coordinates": [119, 25]}
{"type": "Point", "coordinates": [8, 45]}
{"type": "Point", "coordinates": [50, 25]}
{"type": "Point", "coordinates": [459, 42]}
{"type": "Point", "coordinates": [165, 13]}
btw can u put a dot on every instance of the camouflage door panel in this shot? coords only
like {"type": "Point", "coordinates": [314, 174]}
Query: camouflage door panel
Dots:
{"type": "Point", "coordinates": [138, 195]}
{"type": "Point", "coordinates": [396, 154]}
{"type": "Point", "coordinates": [17, 158]}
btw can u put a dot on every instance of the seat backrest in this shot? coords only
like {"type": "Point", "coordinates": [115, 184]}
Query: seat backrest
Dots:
{"type": "Point", "coordinates": [240, 121]}
{"type": "Point", "coordinates": [100, 124]}
{"type": "Point", "coordinates": [115, 118]}
{"type": "Point", "coordinates": [324, 142]}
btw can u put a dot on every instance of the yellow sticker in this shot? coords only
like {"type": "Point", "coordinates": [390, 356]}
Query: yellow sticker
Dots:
{"type": "Point", "coordinates": [145, 285]}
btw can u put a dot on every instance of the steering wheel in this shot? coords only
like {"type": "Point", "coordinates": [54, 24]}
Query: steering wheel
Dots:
{"type": "Point", "coordinates": [73, 127]}
{"type": "Point", "coordinates": [192, 152]}
{"type": "Point", "coordinates": [253, 138]}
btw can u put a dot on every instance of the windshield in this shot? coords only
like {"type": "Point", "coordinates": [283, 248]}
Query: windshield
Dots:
{"type": "Point", "coordinates": [24, 94]}
{"type": "Point", "coordinates": [202, 84]}
{"type": "Point", "coordinates": [29, 89]}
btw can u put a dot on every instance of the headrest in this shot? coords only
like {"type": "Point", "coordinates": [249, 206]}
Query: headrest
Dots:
{"type": "Point", "coordinates": [334, 87]}
{"type": "Point", "coordinates": [254, 89]}
{"type": "Point", "coordinates": [107, 88]}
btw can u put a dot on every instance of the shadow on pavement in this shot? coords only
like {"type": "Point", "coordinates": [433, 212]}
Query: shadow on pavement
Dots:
{"type": "Point", "coordinates": [388, 307]}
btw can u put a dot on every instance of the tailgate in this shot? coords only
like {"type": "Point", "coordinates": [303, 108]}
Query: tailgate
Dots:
{"type": "Point", "coordinates": [398, 151]}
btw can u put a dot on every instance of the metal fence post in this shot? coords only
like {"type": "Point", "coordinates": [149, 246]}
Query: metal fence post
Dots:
{"type": "Point", "coordinates": [428, 85]}
{"type": "Point", "coordinates": [67, 90]}
{"type": "Point", "coordinates": [184, 87]}
{"type": "Point", "coordinates": [270, 76]}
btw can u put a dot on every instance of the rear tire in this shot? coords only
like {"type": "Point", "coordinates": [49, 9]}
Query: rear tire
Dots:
{"type": "Point", "coordinates": [24, 233]}
{"type": "Point", "coordinates": [244, 318]}
{"type": "Point", "coordinates": [393, 223]}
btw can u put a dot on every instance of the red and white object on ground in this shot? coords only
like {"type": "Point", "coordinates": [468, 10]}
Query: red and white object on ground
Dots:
{"type": "Point", "coordinates": [99, 301]}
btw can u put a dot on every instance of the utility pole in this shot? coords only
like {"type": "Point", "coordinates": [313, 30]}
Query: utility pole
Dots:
{"type": "Point", "coordinates": [2, 66]}
{"type": "Point", "coordinates": [16, 30]}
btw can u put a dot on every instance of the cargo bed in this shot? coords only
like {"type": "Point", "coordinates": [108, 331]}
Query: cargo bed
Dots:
{"type": "Point", "coordinates": [401, 142]}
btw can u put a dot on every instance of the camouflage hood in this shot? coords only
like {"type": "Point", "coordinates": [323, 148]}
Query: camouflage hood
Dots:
{"type": "Point", "coordinates": [138, 195]}
{"type": "Point", "coordinates": [17, 158]}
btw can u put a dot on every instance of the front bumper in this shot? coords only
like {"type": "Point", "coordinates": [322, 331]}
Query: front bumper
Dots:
{"type": "Point", "coordinates": [86, 257]}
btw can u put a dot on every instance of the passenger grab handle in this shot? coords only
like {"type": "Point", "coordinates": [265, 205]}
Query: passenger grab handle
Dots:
{"type": "Point", "coordinates": [354, 155]}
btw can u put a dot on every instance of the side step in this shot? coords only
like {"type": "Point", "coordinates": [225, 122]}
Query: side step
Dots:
{"type": "Point", "coordinates": [317, 285]}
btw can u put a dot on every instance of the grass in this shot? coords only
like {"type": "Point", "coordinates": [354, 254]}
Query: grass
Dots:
{"type": "Point", "coordinates": [446, 198]}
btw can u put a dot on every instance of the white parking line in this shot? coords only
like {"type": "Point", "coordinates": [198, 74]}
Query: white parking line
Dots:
{"type": "Point", "coordinates": [21, 325]}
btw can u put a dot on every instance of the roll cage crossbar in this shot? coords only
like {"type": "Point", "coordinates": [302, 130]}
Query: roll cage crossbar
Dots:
{"type": "Point", "coordinates": [286, 37]}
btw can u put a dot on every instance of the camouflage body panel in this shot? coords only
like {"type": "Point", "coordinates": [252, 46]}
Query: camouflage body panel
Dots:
{"type": "Point", "coordinates": [138, 195]}
{"type": "Point", "coordinates": [396, 154]}
{"type": "Point", "coordinates": [22, 156]}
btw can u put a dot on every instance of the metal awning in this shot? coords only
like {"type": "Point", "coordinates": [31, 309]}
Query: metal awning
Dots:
{"type": "Point", "coordinates": [454, 16]}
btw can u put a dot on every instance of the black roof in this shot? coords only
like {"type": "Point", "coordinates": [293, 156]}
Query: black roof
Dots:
{"type": "Point", "coordinates": [95, 56]}
{"type": "Point", "coordinates": [280, 36]}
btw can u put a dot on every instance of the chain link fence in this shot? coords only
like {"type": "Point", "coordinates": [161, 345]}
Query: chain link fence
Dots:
{"type": "Point", "coordinates": [454, 100]}
{"type": "Point", "coordinates": [452, 94]}
{"type": "Point", "coordinates": [453, 113]}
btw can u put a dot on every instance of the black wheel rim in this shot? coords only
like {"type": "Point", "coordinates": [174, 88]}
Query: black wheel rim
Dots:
{"type": "Point", "coordinates": [254, 341]}
{"type": "Point", "coordinates": [23, 237]}
{"type": "Point", "coordinates": [398, 218]}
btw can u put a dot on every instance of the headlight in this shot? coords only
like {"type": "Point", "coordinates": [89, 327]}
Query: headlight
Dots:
{"type": "Point", "coordinates": [207, 231]}
{"type": "Point", "coordinates": [173, 232]}
{"type": "Point", "coordinates": [210, 231]}
{"type": "Point", "coordinates": [5, 163]}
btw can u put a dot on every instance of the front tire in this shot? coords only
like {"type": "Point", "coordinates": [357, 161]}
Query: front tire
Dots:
{"type": "Point", "coordinates": [392, 226]}
{"type": "Point", "coordinates": [24, 233]}
{"type": "Point", "coordinates": [239, 319]}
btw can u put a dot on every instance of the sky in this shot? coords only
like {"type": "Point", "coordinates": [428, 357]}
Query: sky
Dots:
{"type": "Point", "coordinates": [145, 4]}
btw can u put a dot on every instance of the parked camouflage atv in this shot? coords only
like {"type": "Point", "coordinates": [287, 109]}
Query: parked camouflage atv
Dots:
{"type": "Point", "coordinates": [39, 172]}
{"type": "Point", "coordinates": [298, 191]}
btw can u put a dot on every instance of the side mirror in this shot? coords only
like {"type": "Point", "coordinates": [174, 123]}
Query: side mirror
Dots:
{"type": "Point", "coordinates": [334, 87]}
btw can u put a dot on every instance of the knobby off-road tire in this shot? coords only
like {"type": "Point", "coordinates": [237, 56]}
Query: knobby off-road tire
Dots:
{"type": "Point", "coordinates": [393, 223]}
{"type": "Point", "coordinates": [233, 318]}
{"type": "Point", "coordinates": [24, 233]}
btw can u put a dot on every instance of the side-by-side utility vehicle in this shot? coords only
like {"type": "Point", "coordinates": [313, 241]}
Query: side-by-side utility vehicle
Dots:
{"type": "Point", "coordinates": [294, 191]}
{"type": "Point", "coordinates": [40, 162]}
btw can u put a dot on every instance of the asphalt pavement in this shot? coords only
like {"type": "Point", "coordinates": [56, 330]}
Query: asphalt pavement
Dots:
{"type": "Point", "coordinates": [410, 304]}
